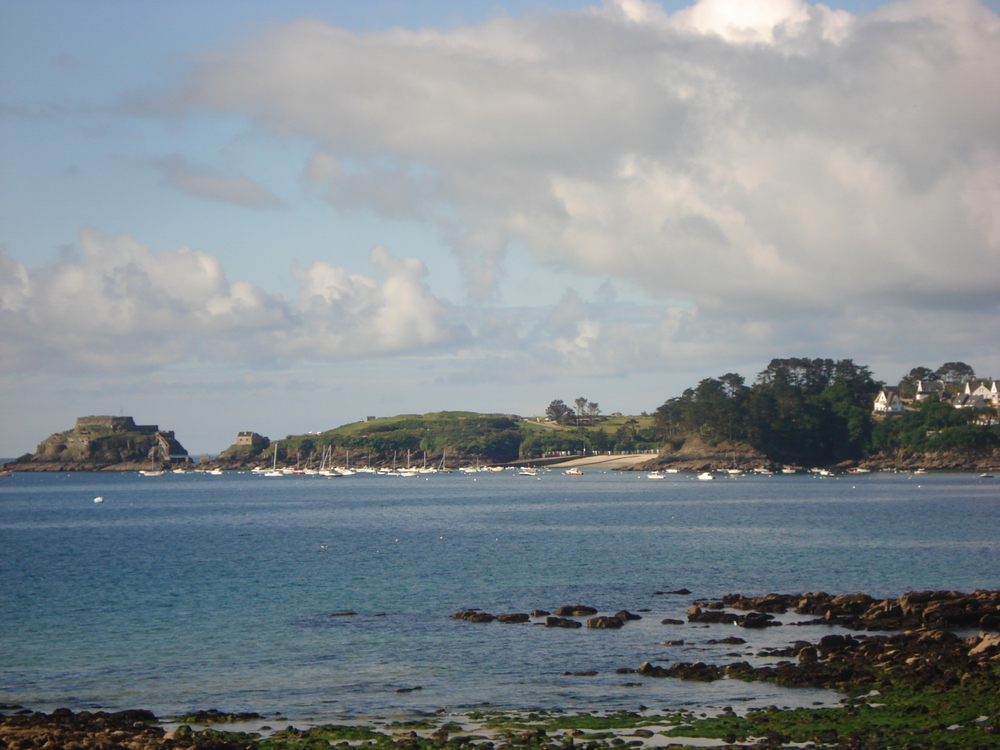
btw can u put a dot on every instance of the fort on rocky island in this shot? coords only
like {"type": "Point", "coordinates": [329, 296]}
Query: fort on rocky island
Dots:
{"type": "Point", "coordinates": [102, 442]}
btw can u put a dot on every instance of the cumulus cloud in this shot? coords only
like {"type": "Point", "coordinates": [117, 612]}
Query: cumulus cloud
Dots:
{"type": "Point", "coordinates": [115, 304]}
{"type": "Point", "coordinates": [206, 182]}
{"type": "Point", "coordinates": [393, 314]}
{"type": "Point", "coordinates": [763, 157]}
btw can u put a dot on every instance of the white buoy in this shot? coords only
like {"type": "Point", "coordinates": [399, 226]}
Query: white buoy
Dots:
{"type": "Point", "coordinates": [98, 499]}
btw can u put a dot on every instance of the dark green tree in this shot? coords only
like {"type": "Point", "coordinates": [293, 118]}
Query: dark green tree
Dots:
{"type": "Point", "coordinates": [557, 411]}
{"type": "Point", "coordinates": [911, 381]}
{"type": "Point", "coordinates": [955, 372]}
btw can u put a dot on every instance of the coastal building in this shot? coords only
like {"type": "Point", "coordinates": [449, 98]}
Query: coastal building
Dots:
{"type": "Point", "coordinates": [888, 402]}
{"type": "Point", "coordinates": [930, 389]}
{"type": "Point", "coordinates": [985, 389]}
{"type": "Point", "coordinates": [968, 401]}
{"type": "Point", "coordinates": [247, 437]}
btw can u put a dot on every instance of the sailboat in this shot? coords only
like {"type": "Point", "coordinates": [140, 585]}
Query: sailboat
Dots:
{"type": "Point", "coordinates": [345, 471]}
{"type": "Point", "coordinates": [408, 471]}
{"type": "Point", "coordinates": [274, 465]}
{"type": "Point", "coordinates": [152, 472]}
{"type": "Point", "coordinates": [328, 457]}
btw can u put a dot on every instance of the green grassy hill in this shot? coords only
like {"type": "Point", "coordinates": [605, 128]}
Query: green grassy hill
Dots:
{"type": "Point", "coordinates": [463, 436]}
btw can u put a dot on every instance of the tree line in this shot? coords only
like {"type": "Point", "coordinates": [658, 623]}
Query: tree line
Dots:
{"type": "Point", "coordinates": [818, 412]}
{"type": "Point", "coordinates": [586, 412]}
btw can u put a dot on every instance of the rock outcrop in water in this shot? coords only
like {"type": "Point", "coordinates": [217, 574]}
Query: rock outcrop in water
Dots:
{"type": "Point", "coordinates": [104, 443]}
{"type": "Point", "coordinates": [916, 609]}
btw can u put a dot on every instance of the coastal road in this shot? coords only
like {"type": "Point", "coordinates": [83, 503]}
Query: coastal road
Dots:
{"type": "Point", "coordinates": [606, 462]}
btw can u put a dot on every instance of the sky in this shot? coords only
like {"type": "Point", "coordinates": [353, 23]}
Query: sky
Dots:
{"type": "Point", "coordinates": [288, 216]}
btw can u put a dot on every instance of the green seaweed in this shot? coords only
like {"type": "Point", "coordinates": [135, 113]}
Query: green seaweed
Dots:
{"type": "Point", "coordinates": [900, 716]}
{"type": "Point", "coordinates": [322, 737]}
{"type": "Point", "coordinates": [413, 724]}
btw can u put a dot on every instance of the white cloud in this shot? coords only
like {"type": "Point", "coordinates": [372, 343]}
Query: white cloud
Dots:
{"type": "Point", "coordinates": [350, 314]}
{"type": "Point", "coordinates": [744, 20]}
{"type": "Point", "coordinates": [118, 305]}
{"type": "Point", "coordinates": [768, 157]}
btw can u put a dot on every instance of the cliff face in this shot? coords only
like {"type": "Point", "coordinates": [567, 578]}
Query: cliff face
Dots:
{"type": "Point", "coordinates": [102, 443]}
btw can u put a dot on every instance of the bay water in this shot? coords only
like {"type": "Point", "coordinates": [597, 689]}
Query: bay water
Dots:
{"type": "Point", "coordinates": [194, 591]}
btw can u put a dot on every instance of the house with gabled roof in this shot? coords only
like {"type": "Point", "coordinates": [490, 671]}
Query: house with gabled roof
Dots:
{"type": "Point", "coordinates": [968, 401]}
{"type": "Point", "coordinates": [930, 389]}
{"type": "Point", "coordinates": [888, 402]}
{"type": "Point", "coordinates": [985, 389]}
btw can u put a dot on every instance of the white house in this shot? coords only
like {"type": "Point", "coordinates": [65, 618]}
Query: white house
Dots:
{"type": "Point", "coordinates": [985, 389]}
{"type": "Point", "coordinates": [888, 402]}
{"type": "Point", "coordinates": [969, 401]}
{"type": "Point", "coordinates": [930, 389]}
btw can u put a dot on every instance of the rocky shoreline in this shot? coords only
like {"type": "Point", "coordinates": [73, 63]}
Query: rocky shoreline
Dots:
{"type": "Point", "coordinates": [696, 455]}
{"type": "Point", "coordinates": [88, 466]}
{"type": "Point", "coordinates": [916, 683]}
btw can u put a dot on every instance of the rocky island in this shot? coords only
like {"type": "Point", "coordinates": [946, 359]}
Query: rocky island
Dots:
{"type": "Point", "coordinates": [101, 443]}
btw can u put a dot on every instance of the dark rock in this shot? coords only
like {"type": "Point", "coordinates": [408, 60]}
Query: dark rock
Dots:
{"type": "Point", "coordinates": [513, 618]}
{"type": "Point", "coordinates": [834, 642]}
{"type": "Point", "coordinates": [577, 610]}
{"type": "Point", "coordinates": [670, 621]}
{"type": "Point", "coordinates": [808, 655]}
{"type": "Point", "coordinates": [699, 671]}
{"type": "Point", "coordinates": [697, 614]}
{"type": "Point", "coordinates": [648, 669]}
{"type": "Point", "coordinates": [756, 620]}
{"type": "Point", "coordinates": [540, 613]}
{"type": "Point", "coordinates": [625, 615]}
{"type": "Point", "coordinates": [562, 622]}
{"type": "Point", "coordinates": [474, 615]}
{"type": "Point", "coordinates": [604, 622]}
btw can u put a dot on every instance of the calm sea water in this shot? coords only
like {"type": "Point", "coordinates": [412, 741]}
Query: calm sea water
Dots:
{"type": "Point", "coordinates": [192, 592]}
